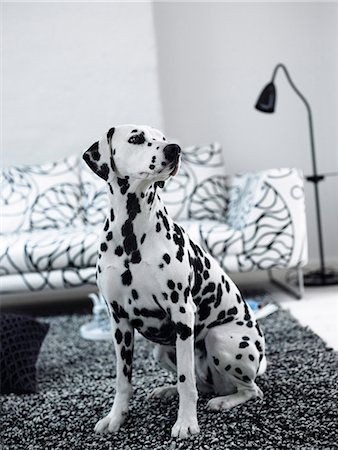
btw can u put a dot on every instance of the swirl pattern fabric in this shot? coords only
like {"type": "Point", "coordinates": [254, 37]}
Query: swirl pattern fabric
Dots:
{"type": "Point", "coordinates": [40, 197]}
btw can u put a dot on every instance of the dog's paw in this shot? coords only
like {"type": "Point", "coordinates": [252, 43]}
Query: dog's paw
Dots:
{"type": "Point", "coordinates": [219, 404]}
{"type": "Point", "coordinates": [184, 428]}
{"type": "Point", "coordinates": [163, 392]}
{"type": "Point", "coordinates": [110, 423]}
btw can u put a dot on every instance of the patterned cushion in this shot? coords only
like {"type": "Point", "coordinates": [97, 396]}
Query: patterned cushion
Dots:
{"type": "Point", "coordinates": [20, 341]}
{"type": "Point", "coordinates": [197, 191]}
{"type": "Point", "coordinates": [47, 250]}
{"type": "Point", "coordinates": [40, 197]}
{"type": "Point", "coordinates": [219, 239]}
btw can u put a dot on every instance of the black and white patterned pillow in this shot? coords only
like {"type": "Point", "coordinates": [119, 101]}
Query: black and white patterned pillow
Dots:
{"type": "Point", "coordinates": [199, 183]}
{"type": "Point", "coordinates": [40, 196]}
{"type": "Point", "coordinates": [20, 341]}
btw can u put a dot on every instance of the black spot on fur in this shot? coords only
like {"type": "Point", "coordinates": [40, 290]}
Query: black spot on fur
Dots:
{"type": "Point", "coordinates": [110, 134]}
{"type": "Point", "coordinates": [182, 378]}
{"type": "Point", "coordinates": [218, 295]}
{"type": "Point", "coordinates": [166, 258]}
{"type": "Point", "coordinates": [210, 287]}
{"type": "Point", "coordinates": [124, 184]}
{"type": "Point", "coordinates": [137, 323]}
{"type": "Point", "coordinates": [221, 315]}
{"type": "Point", "coordinates": [103, 247]}
{"type": "Point", "coordinates": [258, 346]}
{"type": "Point", "coordinates": [232, 311]}
{"type": "Point", "coordinates": [174, 296]}
{"type": "Point", "coordinates": [243, 344]}
{"type": "Point", "coordinates": [136, 257]}
{"type": "Point", "coordinates": [119, 250]}
{"type": "Point", "coordinates": [118, 336]}
{"type": "Point", "coordinates": [127, 278]}
{"type": "Point", "coordinates": [183, 331]}
{"type": "Point", "coordinates": [171, 284]}
{"type": "Point", "coordinates": [103, 171]}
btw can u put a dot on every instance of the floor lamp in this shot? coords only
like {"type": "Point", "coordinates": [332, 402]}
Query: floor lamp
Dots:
{"type": "Point", "coordinates": [266, 103]}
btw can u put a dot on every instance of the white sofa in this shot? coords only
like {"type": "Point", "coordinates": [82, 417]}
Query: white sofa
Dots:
{"type": "Point", "coordinates": [51, 216]}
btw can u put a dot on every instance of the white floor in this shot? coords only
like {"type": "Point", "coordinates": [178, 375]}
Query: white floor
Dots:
{"type": "Point", "coordinates": [318, 309]}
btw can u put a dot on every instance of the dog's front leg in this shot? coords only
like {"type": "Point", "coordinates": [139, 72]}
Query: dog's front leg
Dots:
{"type": "Point", "coordinates": [124, 344]}
{"type": "Point", "coordinates": [186, 422]}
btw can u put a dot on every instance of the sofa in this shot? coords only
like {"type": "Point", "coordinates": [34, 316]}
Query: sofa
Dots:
{"type": "Point", "coordinates": [51, 216]}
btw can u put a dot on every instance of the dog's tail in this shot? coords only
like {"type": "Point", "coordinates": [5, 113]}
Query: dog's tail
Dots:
{"type": "Point", "coordinates": [262, 367]}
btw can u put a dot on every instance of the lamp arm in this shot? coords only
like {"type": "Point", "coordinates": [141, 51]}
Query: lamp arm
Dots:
{"type": "Point", "coordinates": [306, 103]}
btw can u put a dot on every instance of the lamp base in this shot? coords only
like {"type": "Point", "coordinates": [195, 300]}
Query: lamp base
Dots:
{"type": "Point", "coordinates": [318, 277]}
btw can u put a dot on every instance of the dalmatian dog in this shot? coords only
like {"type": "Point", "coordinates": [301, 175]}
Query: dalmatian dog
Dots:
{"type": "Point", "coordinates": [156, 280]}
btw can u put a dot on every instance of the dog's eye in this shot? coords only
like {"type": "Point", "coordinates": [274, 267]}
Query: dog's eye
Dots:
{"type": "Point", "coordinates": [138, 139]}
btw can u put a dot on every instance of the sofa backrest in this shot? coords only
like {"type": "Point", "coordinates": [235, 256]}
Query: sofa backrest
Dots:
{"type": "Point", "coordinates": [40, 197]}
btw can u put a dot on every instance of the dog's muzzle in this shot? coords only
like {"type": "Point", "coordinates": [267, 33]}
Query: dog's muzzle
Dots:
{"type": "Point", "coordinates": [172, 154]}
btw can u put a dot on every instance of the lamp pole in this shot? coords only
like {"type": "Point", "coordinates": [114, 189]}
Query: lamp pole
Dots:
{"type": "Point", "coordinates": [269, 94]}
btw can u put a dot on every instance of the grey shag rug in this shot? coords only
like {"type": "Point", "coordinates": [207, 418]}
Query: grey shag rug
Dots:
{"type": "Point", "coordinates": [76, 381]}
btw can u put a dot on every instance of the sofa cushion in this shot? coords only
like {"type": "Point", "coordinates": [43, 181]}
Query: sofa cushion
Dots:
{"type": "Point", "coordinates": [219, 239]}
{"type": "Point", "coordinates": [46, 250]}
{"type": "Point", "coordinates": [40, 197]}
{"type": "Point", "coordinates": [201, 175]}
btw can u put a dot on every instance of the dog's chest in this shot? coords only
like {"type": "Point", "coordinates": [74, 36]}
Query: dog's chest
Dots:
{"type": "Point", "coordinates": [151, 321]}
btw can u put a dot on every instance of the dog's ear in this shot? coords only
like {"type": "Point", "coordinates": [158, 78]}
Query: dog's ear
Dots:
{"type": "Point", "coordinates": [99, 156]}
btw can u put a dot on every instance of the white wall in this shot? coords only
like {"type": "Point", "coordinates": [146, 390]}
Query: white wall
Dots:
{"type": "Point", "coordinates": [214, 59]}
{"type": "Point", "coordinates": [70, 72]}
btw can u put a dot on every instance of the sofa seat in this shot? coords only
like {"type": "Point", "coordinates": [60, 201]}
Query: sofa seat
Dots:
{"type": "Point", "coordinates": [48, 250]}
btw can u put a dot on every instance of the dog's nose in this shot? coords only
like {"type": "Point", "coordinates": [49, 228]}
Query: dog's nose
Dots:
{"type": "Point", "coordinates": [171, 152]}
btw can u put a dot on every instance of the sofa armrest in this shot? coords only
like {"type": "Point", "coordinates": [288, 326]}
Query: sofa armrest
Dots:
{"type": "Point", "coordinates": [269, 209]}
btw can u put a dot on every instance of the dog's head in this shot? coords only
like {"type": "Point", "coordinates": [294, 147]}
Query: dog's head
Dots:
{"type": "Point", "coordinates": [133, 151]}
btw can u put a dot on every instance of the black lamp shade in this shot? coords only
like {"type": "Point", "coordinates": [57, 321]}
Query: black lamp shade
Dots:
{"type": "Point", "coordinates": [267, 99]}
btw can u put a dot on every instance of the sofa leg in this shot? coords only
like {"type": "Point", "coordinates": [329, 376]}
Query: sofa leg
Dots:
{"type": "Point", "coordinates": [298, 291]}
